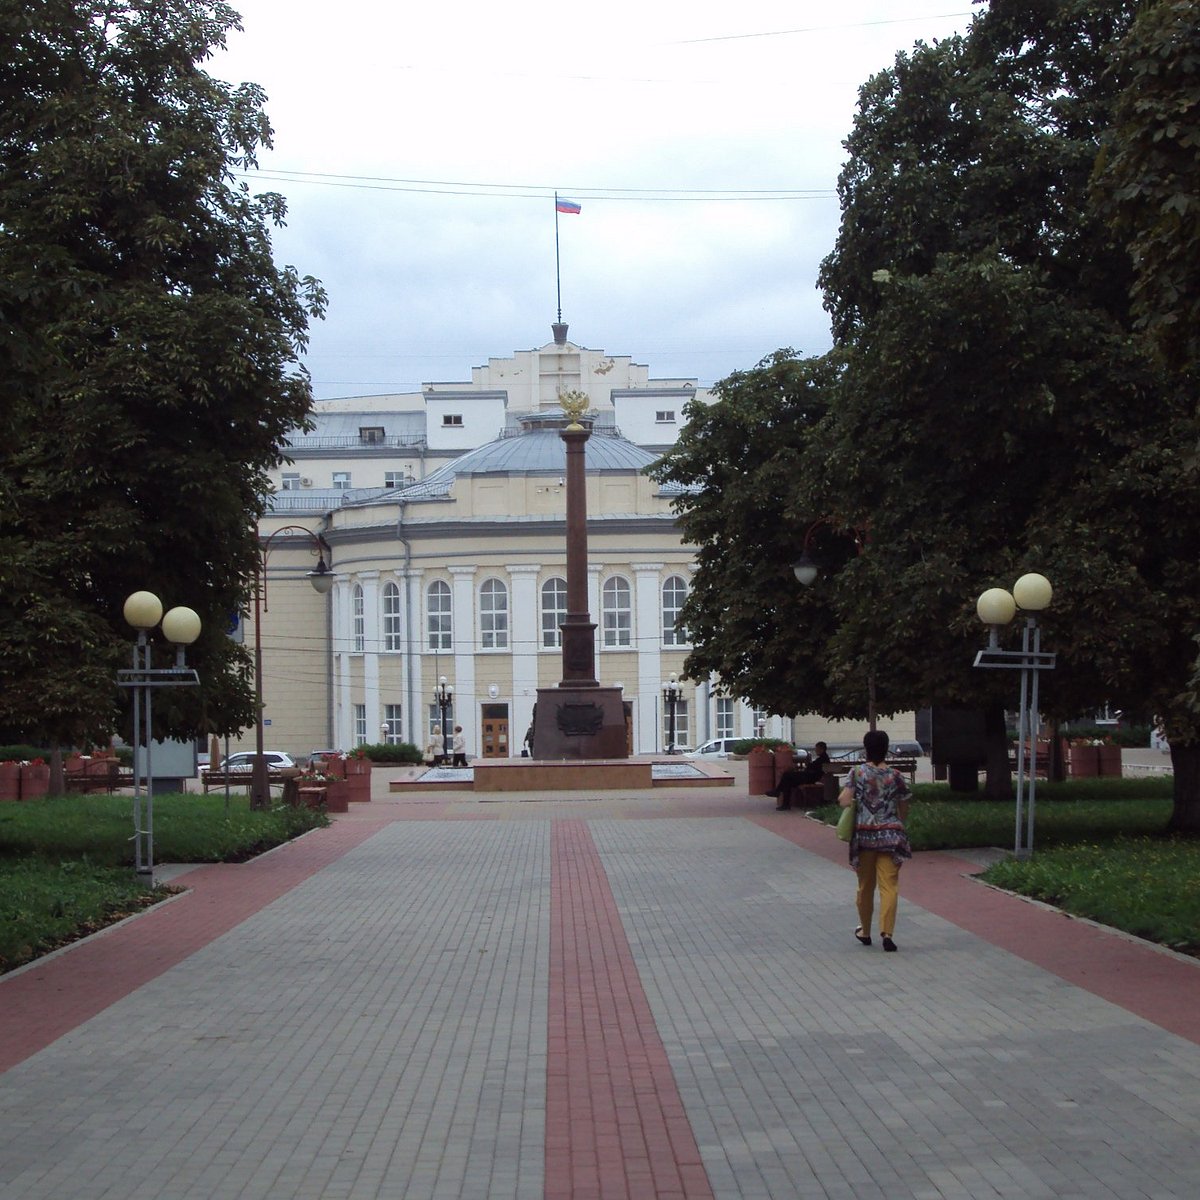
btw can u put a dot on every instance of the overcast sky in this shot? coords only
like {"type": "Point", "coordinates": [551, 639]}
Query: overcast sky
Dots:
{"type": "Point", "coordinates": [419, 147]}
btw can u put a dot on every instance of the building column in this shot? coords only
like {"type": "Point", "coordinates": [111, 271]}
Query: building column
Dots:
{"type": "Point", "coordinates": [343, 643]}
{"type": "Point", "coordinates": [372, 643]}
{"type": "Point", "coordinates": [647, 624]}
{"type": "Point", "coordinates": [465, 625]}
{"type": "Point", "coordinates": [526, 640]}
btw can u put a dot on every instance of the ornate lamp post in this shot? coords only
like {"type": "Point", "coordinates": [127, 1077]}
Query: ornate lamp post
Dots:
{"type": "Point", "coordinates": [181, 627]}
{"type": "Point", "coordinates": [671, 695]}
{"type": "Point", "coordinates": [443, 696]}
{"type": "Point", "coordinates": [806, 569]}
{"type": "Point", "coordinates": [996, 607]}
{"type": "Point", "coordinates": [321, 578]}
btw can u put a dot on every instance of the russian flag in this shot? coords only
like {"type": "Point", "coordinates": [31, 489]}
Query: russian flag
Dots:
{"type": "Point", "coordinates": [565, 206]}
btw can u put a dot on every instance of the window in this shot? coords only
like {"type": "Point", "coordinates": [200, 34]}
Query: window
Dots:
{"type": "Point", "coordinates": [437, 615]}
{"type": "Point", "coordinates": [554, 611]}
{"type": "Point", "coordinates": [360, 724]}
{"type": "Point", "coordinates": [393, 731]}
{"type": "Point", "coordinates": [493, 615]}
{"type": "Point", "coordinates": [435, 722]}
{"type": "Point", "coordinates": [664, 416]}
{"type": "Point", "coordinates": [391, 618]}
{"type": "Point", "coordinates": [617, 608]}
{"type": "Point", "coordinates": [394, 479]}
{"type": "Point", "coordinates": [290, 481]}
{"type": "Point", "coordinates": [452, 420]}
{"type": "Point", "coordinates": [724, 716]}
{"type": "Point", "coordinates": [681, 725]}
{"type": "Point", "coordinates": [761, 716]}
{"type": "Point", "coordinates": [674, 593]}
{"type": "Point", "coordinates": [372, 435]}
{"type": "Point", "coordinates": [360, 625]}
{"type": "Point", "coordinates": [341, 481]}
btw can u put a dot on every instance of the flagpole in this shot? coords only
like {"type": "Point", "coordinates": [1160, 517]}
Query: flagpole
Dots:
{"type": "Point", "coordinates": [557, 271]}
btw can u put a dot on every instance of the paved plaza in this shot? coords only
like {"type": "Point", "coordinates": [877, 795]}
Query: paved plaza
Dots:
{"type": "Point", "coordinates": [648, 995]}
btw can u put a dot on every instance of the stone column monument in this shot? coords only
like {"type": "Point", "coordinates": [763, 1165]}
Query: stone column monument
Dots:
{"type": "Point", "coordinates": [579, 718]}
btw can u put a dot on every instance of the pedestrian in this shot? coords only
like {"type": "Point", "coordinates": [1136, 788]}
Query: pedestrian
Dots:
{"type": "Point", "coordinates": [460, 747]}
{"type": "Point", "coordinates": [879, 844]}
{"type": "Point", "coordinates": [527, 752]}
{"type": "Point", "coordinates": [433, 751]}
{"type": "Point", "coordinates": [797, 776]}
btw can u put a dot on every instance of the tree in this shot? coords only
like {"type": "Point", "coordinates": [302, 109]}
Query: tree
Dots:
{"type": "Point", "coordinates": [1147, 176]}
{"type": "Point", "coordinates": [150, 344]}
{"type": "Point", "coordinates": [736, 464]}
{"type": "Point", "coordinates": [996, 412]}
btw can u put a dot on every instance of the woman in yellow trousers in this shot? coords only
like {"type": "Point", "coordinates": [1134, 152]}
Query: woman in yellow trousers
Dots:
{"type": "Point", "coordinates": [879, 844]}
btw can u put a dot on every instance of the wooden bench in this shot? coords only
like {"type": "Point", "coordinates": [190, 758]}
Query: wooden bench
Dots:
{"type": "Point", "coordinates": [97, 775]}
{"type": "Point", "coordinates": [215, 779]}
{"type": "Point", "coordinates": [906, 766]}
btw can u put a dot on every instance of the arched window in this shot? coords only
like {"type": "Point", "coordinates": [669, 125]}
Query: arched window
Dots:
{"type": "Point", "coordinates": [617, 607]}
{"type": "Point", "coordinates": [554, 611]}
{"type": "Point", "coordinates": [493, 615]}
{"type": "Point", "coordinates": [437, 615]}
{"type": "Point", "coordinates": [360, 628]}
{"type": "Point", "coordinates": [391, 617]}
{"type": "Point", "coordinates": [674, 593]}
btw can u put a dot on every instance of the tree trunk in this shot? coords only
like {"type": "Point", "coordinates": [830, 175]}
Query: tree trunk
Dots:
{"type": "Point", "coordinates": [1058, 760]}
{"type": "Point", "coordinates": [999, 785]}
{"type": "Point", "coordinates": [1185, 817]}
{"type": "Point", "coordinates": [58, 782]}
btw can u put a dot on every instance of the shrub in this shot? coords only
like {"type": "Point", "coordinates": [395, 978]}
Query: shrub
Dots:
{"type": "Point", "coordinates": [389, 752]}
{"type": "Point", "coordinates": [22, 753]}
{"type": "Point", "coordinates": [748, 744]}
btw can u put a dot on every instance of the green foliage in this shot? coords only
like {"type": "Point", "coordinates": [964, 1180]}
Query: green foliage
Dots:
{"type": "Point", "coordinates": [65, 862]}
{"type": "Point", "coordinates": [392, 752]}
{"type": "Point", "coordinates": [745, 745]}
{"type": "Point", "coordinates": [22, 752]}
{"type": "Point", "coordinates": [1146, 886]}
{"type": "Point", "coordinates": [1147, 177]}
{"type": "Point", "coordinates": [149, 359]}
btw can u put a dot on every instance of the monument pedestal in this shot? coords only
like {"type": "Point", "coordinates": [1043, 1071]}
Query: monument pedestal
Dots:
{"type": "Point", "coordinates": [579, 723]}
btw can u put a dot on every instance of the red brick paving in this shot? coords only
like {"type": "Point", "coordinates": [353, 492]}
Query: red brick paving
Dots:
{"type": "Point", "coordinates": [615, 1124]}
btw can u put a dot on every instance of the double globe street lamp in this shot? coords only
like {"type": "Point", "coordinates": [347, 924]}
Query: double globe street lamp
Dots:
{"type": "Point", "coordinates": [672, 694]}
{"type": "Point", "coordinates": [181, 627]}
{"type": "Point", "coordinates": [996, 608]}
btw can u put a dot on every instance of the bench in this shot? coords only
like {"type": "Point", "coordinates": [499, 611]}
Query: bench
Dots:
{"type": "Point", "coordinates": [906, 766]}
{"type": "Point", "coordinates": [97, 775]}
{"type": "Point", "coordinates": [214, 779]}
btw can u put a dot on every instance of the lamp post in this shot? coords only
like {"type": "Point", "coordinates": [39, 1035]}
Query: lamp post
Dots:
{"type": "Point", "coordinates": [806, 569]}
{"type": "Point", "coordinates": [671, 695]}
{"type": "Point", "coordinates": [443, 695]}
{"type": "Point", "coordinates": [181, 627]}
{"type": "Point", "coordinates": [321, 578]}
{"type": "Point", "coordinates": [1031, 594]}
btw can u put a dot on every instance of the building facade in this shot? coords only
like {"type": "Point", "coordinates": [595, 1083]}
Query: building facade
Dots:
{"type": "Point", "coordinates": [443, 516]}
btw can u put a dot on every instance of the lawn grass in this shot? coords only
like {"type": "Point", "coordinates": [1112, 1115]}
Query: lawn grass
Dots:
{"type": "Point", "coordinates": [1100, 851]}
{"type": "Point", "coordinates": [66, 863]}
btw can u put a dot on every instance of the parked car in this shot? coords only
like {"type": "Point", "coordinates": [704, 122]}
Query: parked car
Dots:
{"type": "Point", "coordinates": [244, 761]}
{"type": "Point", "coordinates": [716, 748]}
{"type": "Point", "coordinates": [323, 754]}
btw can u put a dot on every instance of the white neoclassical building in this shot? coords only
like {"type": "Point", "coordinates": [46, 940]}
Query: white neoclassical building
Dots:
{"type": "Point", "coordinates": [442, 515]}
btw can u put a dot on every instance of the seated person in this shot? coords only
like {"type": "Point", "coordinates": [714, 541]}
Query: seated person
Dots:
{"type": "Point", "coordinates": [813, 771]}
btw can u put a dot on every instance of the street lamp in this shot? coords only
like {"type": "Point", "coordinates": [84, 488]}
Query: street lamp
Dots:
{"type": "Point", "coordinates": [671, 695]}
{"type": "Point", "coordinates": [806, 569]}
{"type": "Point", "coordinates": [321, 578]}
{"type": "Point", "coordinates": [443, 695]}
{"type": "Point", "coordinates": [1031, 594]}
{"type": "Point", "coordinates": [181, 627]}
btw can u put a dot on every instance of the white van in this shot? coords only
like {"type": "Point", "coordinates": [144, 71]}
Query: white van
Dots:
{"type": "Point", "coordinates": [717, 748]}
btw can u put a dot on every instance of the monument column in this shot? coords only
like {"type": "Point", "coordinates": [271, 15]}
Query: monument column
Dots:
{"type": "Point", "coordinates": [579, 719]}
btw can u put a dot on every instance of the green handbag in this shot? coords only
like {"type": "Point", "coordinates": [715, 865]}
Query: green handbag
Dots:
{"type": "Point", "coordinates": [847, 821]}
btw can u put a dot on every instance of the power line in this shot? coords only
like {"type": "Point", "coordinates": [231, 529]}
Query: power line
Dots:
{"type": "Point", "coordinates": [521, 191]}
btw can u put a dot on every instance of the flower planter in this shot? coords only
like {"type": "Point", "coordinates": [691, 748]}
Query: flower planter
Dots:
{"type": "Point", "coordinates": [1083, 762]}
{"type": "Point", "coordinates": [358, 766]}
{"type": "Point", "coordinates": [761, 774]}
{"type": "Point", "coordinates": [10, 781]}
{"type": "Point", "coordinates": [35, 780]}
{"type": "Point", "coordinates": [1109, 761]}
{"type": "Point", "coordinates": [337, 796]}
